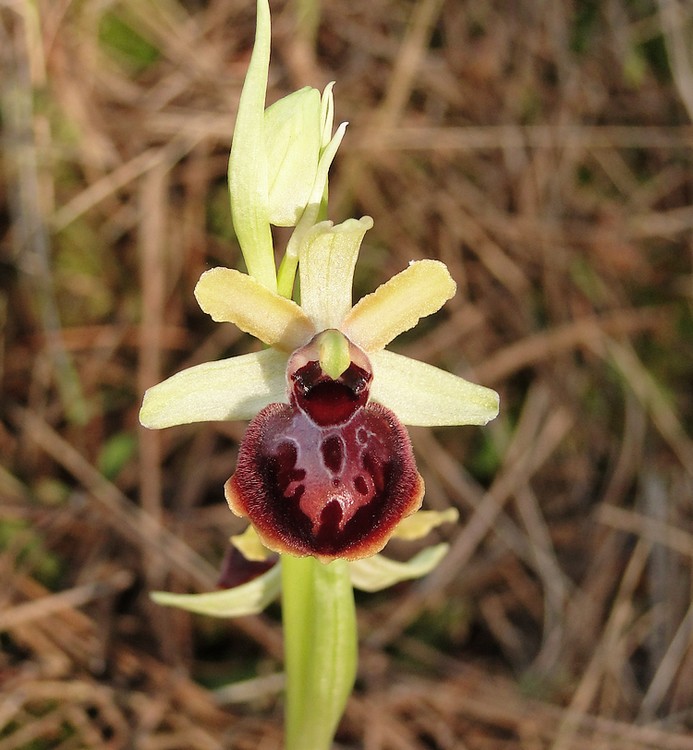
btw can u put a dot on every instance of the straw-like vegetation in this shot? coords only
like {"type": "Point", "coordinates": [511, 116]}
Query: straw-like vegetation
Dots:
{"type": "Point", "coordinates": [544, 151]}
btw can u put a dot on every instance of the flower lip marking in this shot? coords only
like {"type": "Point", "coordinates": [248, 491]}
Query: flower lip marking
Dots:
{"type": "Point", "coordinates": [329, 400]}
{"type": "Point", "coordinates": [329, 474]}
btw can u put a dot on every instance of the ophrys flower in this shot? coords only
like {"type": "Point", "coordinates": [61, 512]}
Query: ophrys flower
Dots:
{"type": "Point", "coordinates": [327, 469]}
{"type": "Point", "coordinates": [326, 472]}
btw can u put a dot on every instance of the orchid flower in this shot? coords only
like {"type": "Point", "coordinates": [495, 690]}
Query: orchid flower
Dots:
{"type": "Point", "coordinates": [326, 468]}
{"type": "Point", "coordinates": [326, 474]}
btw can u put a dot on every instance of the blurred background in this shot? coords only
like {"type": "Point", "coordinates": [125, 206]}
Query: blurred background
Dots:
{"type": "Point", "coordinates": [542, 149]}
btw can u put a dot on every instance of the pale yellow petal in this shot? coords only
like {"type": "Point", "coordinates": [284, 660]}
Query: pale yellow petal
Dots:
{"type": "Point", "coordinates": [398, 304]}
{"type": "Point", "coordinates": [419, 524]}
{"type": "Point", "coordinates": [230, 296]}
{"type": "Point", "coordinates": [327, 114]}
{"type": "Point", "coordinates": [379, 572]}
{"type": "Point", "coordinates": [423, 395]}
{"type": "Point", "coordinates": [235, 388]}
{"type": "Point", "coordinates": [248, 599]}
{"type": "Point", "coordinates": [327, 257]}
{"type": "Point", "coordinates": [249, 545]}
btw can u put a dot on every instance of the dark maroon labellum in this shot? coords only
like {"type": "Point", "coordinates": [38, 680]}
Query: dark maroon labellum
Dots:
{"type": "Point", "coordinates": [329, 474]}
{"type": "Point", "coordinates": [237, 569]}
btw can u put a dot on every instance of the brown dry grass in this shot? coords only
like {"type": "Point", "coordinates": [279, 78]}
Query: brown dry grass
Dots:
{"type": "Point", "coordinates": [544, 151]}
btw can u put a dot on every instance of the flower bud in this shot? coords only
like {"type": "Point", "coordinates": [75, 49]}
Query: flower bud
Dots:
{"type": "Point", "coordinates": [293, 135]}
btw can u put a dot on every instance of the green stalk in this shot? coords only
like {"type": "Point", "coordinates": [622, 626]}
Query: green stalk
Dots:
{"type": "Point", "coordinates": [320, 648]}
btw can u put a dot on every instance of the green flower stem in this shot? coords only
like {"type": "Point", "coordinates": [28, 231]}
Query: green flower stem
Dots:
{"type": "Point", "coordinates": [320, 643]}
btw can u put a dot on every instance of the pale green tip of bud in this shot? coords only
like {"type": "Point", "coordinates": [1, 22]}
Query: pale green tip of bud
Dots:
{"type": "Point", "coordinates": [333, 348]}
